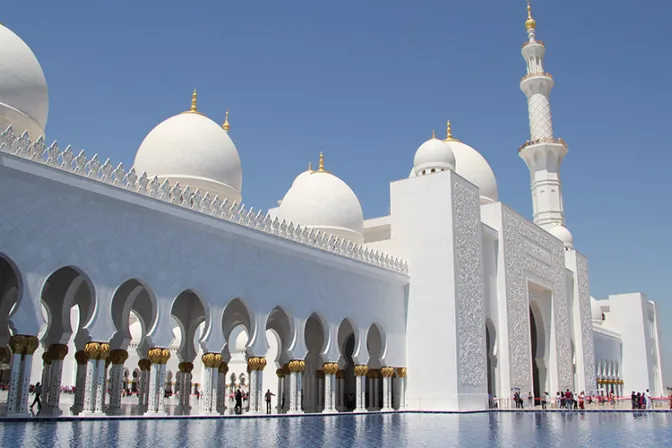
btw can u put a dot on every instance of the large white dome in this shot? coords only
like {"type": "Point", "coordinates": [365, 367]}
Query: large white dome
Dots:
{"type": "Point", "coordinates": [433, 156]}
{"type": "Point", "coordinates": [24, 100]}
{"type": "Point", "coordinates": [193, 150]}
{"type": "Point", "coordinates": [324, 202]}
{"type": "Point", "coordinates": [471, 165]}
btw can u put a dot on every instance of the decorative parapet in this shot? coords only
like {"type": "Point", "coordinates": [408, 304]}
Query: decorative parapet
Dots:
{"type": "Point", "coordinates": [542, 140]}
{"type": "Point", "coordinates": [534, 42]}
{"type": "Point", "coordinates": [118, 177]}
{"type": "Point", "coordinates": [535, 75]}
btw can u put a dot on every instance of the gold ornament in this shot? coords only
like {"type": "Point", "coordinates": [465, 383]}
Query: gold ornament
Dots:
{"type": "Point", "coordinates": [81, 357]}
{"type": "Point", "coordinates": [165, 356]}
{"type": "Point", "coordinates": [285, 368]}
{"type": "Point", "coordinates": [401, 372]}
{"type": "Point", "coordinates": [31, 345]}
{"type": "Point", "coordinates": [530, 23]}
{"type": "Point", "coordinates": [340, 374]}
{"type": "Point", "coordinates": [46, 359]}
{"type": "Point", "coordinates": [361, 370]}
{"type": "Point", "coordinates": [297, 366]}
{"type": "Point", "coordinates": [145, 365]}
{"type": "Point", "coordinates": [330, 368]}
{"type": "Point", "coordinates": [18, 344]}
{"type": "Point", "coordinates": [387, 372]}
{"type": "Point", "coordinates": [223, 368]}
{"type": "Point", "coordinates": [58, 351]}
{"type": "Point", "coordinates": [118, 356]}
{"type": "Point", "coordinates": [226, 126]}
{"type": "Point", "coordinates": [92, 349]}
{"type": "Point", "coordinates": [104, 351]}
{"type": "Point", "coordinates": [185, 367]}
{"type": "Point", "coordinates": [319, 374]}
{"type": "Point", "coordinates": [280, 373]}
{"type": "Point", "coordinates": [155, 355]}
{"type": "Point", "coordinates": [210, 360]}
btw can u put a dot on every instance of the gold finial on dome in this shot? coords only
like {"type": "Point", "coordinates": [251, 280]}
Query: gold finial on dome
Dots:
{"type": "Point", "coordinates": [194, 97]}
{"type": "Point", "coordinates": [226, 126]}
{"type": "Point", "coordinates": [530, 23]}
{"type": "Point", "coordinates": [433, 134]}
{"type": "Point", "coordinates": [449, 133]}
{"type": "Point", "coordinates": [310, 166]}
{"type": "Point", "coordinates": [320, 166]}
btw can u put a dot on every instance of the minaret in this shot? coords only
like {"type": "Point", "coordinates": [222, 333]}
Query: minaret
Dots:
{"type": "Point", "coordinates": [543, 153]}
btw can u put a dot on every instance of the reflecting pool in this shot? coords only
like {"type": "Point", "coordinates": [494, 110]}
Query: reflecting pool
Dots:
{"type": "Point", "coordinates": [507, 430]}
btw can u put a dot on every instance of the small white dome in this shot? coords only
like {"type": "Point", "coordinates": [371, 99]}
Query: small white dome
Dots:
{"type": "Point", "coordinates": [433, 156]}
{"type": "Point", "coordinates": [193, 150]}
{"type": "Point", "coordinates": [472, 166]}
{"type": "Point", "coordinates": [24, 100]}
{"type": "Point", "coordinates": [324, 202]}
{"type": "Point", "coordinates": [564, 235]}
{"type": "Point", "coordinates": [595, 310]}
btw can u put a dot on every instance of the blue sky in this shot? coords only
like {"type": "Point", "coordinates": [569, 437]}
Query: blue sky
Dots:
{"type": "Point", "coordinates": [366, 82]}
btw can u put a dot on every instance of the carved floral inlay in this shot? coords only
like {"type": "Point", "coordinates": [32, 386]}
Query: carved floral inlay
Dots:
{"type": "Point", "coordinates": [469, 284]}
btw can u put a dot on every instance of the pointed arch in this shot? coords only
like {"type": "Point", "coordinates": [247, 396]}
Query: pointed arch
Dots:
{"type": "Point", "coordinates": [132, 295]}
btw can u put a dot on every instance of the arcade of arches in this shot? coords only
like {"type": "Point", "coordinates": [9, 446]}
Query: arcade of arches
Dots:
{"type": "Point", "coordinates": [104, 371]}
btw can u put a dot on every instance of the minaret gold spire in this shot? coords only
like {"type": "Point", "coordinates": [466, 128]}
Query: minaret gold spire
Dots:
{"type": "Point", "coordinates": [226, 126]}
{"type": "Point", "coordinates": [530, 23]}
{"type": "Point", "coordinates": [194, 97]}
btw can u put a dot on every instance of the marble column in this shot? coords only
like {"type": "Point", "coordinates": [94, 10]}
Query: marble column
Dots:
{"type": "Point", "coordinates": [221, 387]}
{"type": "Point", "coordinates": [256, 365]}
{"type": "Point", "coordinates": [340, 391]}
{"type": "Point", "coordinates": [145, 366]}
{"type": "Point", "coordinates": [387, 373]}
{"type": "Point", "coordinates": [296, 368]}
{"type": "Point", "coordinates": [118, 358]}
{"type": "Point", "coordinates": [80, 382]}
{"type": "Point", "coordinates": [401, 374]}
{"type": "Point", "coordinates": [185, 368]}
{"type": "Point", "coordinates": [330, 370]}
{"type": "Point", "coordinates": [360, 384]}
{"type": "Point", "coordinates": [101, 377]}
{"type": "Point", "coordinates": [46, 376]}
{"type": "Point", "coordinates": [369, 389]}
{"type": "Point", "coordinates": [208, 402]}
{"type": "Point", "coordinates": [281, 382]}
{"type": "Point", "coordinates": [93, 350]}
{"type": "Point", "coordinates": [22, 347]}
{"type": "Point", "coordinates": [158, 358]}
{"type": "Point", "coordinates": [52, 404]}
{"type": "Point", "coordinates": [286, 388]}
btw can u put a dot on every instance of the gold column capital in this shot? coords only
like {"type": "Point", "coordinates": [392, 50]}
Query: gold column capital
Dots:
{"type": "Point", "coordinates": [185, 367]}
{"type": "Point", "coordinates": [158, 355]}
{"type": "Point", "coordinates": [361, 370]}
{"type": "Point", "coordinates": [340, 374]}
{"type": "Point", "coordinates": [387, 372]}
{"type": "Point", "coordinates": [46, 358]}
{"type": "Point", "coordinates": [223, 368]}
{"type": "Point", "coordinates": [401, 372]}
{"type": "Point", "coordinates": [92, 350]}
{"type": "Point", "coordinates": [256, 363]}
{"type": "Point", "coordinates": [18, 344]}
{"type": "Point", "coordinates": [104, 352]}
{"type": "Point", "coordinates": [81, 357]}
{"type": "Point", "coordinates": [330, 368]}
{"type": "Point", "coordinates": [57, 352]}
{"type": "Point", "coordinates": [211, 360]}
{"type": "Point", "coordinates": [144, 365]}
{"type": "Point", "coordinates": [118, 356]}
{"type": "Point", "coordinates": [280, 373]}
{"type": "Point", "coordinates": [297, 366]}
{"type": "Point", "coordinates": [31, 345]}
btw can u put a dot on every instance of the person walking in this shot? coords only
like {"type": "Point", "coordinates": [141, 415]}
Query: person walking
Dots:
{"type": "Point", "coordinates": [269, 394]}
{"type": "Point", "coordinates": [38, 393]}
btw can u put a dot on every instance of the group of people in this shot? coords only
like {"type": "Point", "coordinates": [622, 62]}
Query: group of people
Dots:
{"type": "Point", "coordinates": [642, 400]}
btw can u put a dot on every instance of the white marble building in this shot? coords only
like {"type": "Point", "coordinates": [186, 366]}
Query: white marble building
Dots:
{"type": "Point", "coordinates": [155, 278]}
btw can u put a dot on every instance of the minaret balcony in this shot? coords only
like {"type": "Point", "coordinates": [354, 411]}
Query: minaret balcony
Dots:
{"type": "Point", "coordinates": [539, 141]}
{"type": "Point", "coordinates": [535, 42]}
{"type": "Point", "coordinates": [536, 75]}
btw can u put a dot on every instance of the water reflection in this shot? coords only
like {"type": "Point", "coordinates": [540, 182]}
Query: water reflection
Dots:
{"type": "Point", "coordinates": [376, 430]}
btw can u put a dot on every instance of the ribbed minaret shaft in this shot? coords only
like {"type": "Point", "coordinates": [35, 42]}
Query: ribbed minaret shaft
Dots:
{"type": "Point", "coordinates": [543, 153]}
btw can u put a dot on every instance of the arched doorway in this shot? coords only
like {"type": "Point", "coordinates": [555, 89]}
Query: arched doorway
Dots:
{"type": "Point", "coordinates": [346, 375]}
{"type": "Point", "coordinates": [538, 352]}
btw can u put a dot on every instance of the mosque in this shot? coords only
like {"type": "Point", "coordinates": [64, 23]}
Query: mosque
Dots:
{"type": "Point", "coordinates": [156, 279]}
